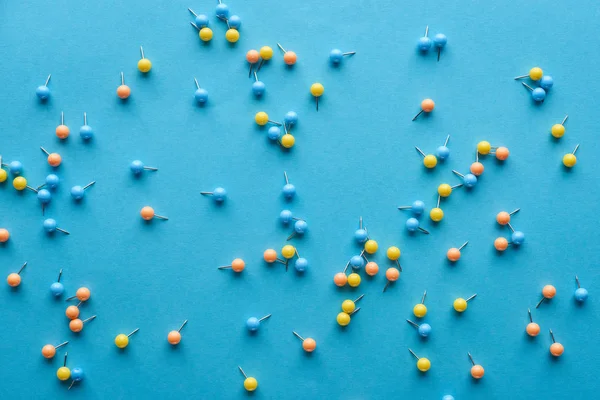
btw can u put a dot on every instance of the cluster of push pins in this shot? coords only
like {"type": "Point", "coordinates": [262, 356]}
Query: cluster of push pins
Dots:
{"type": "Point", "coordinates": [439, 42]}
{"type": "Point", "coordinates": [285, 140]}
{"type": "Point", "coordinates": [233, 22]}
{"type": "Point", "coordinates": [545, 82]}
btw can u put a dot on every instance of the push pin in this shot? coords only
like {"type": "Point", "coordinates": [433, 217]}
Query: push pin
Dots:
{"type": "Point", "coordinates": [300, 227]}
{"type": "Point", "coordinates": [501, 244]}
{"type": "Point", "coordinates": [420, 310]}
{"type": "Point", "coordinates": [50, 226]}
{"type": "Point", "coordinates": [77, 192]}
{"type": "Point", "coordinates": [286, 216]}
{"type": "Point", "coordinates": [237, 265]}
{"type": "Point", "coordinates": [252, 56]}
{"type": "Point", "coordinates": [288, 252]}
{"type": "Point", "coordinates": [569, 160]}
{"type": "Point", "coordinates": [348, 306]}
{"type": "Point", "coordinates": [371, 268]}
{"type": "Point", "coordinates": [548, 292]}
{"type": "Point", "coordinates": [76, 325]}
{"type": "Point", "coordinates": [532, 328]}
{"type": "Point", "coordinates": [445, 190]}
{"type": "Point", "coordinates": [354, 280]}
{"type": "Point", "coordinates": [501, 153]}
{"type": "Point", "coordinates": [429, 160]}
{"type": "Point", "coordinates": [289, 190]}
{"type": "Point", "coordinates": [423, 364]}
{"type": "Point", "coordinates": [503, 217]}
{"type": "Point", "coordinates": [469, 180]}
{"type": "Point", "coordinates": [14, 279]}
{"type": "Point", "coordinates": [437, 214]}
{"type": "Point", "coordinates": [258, 87]}
{"type": "Point", "coordinates": [391, 274]}
{"type": "Point", "coordinates": [290, 119]}
{"type": "Point", "coordinates": [581, 294]}
{"type": "Point", "coordinates": [343, 319]}
{"type": "Point", "coordinates": [174, 337]}
{"type": "Point", "coordinates": [443, 152]}
{"type": "Point", "coordinates": [289, 57]}
{"type": "Point", "coordinates": [144, 65]}
{"type": "Point", "coordinates": [301, 263]}
{"type": "Point", "coordinates": [538, 94]}
{"type": "Point", "coordinates": [137, 167]}
{"type": "Point", "coordinates": [270, 256]}
{"type": "Point", "coordinates": [340, 279]}
{"type": "Point", "coordinates": [62, 131]}
{"type": "Point", "coordinates": [558, 130]}
{"type": "Point", "coordinates": [309, 344]}
{"type": "Point", "coordinates": [424, 329]}
{"type": "Point", "coordinates": [86, 132]}
{"type": "Point", "coordinates": [336, 56]}
{"type": "Point", "coordinates": [517, 237]}
{"type": "Point", "coordinates": [200, 95]}
{"type": "Point", "coordinates": [250, 383]}
{"type": "Point", "coordinates": [20, 184]}
{"type": "Point", "coordinates": [49, 351]}
{"type": "Point", "coordinates": [477, 370]}
{"type": "Point", "coordinates": [266, 53]}
{"type": "Point", "coordinates": [274, 133]}
{"type": "Point", "coordinates": [232, 35]}
{"type": "Point", "coordinates": [460, 304]}
{"type": "Point", "coordinates": [361, 235]}
{"type": "Point", "coordinates": [556, 349]}
{"type": "Point", "coordinates": [4, 235]}
{"type": "Point", "coordinates": [205, 33]}
{"type": "Point", "coordinates": [200, 19]}
{"type": "Point", "coordinates": [219, 194]}
{"type": "Point", "coordinates": [148, 214]}
{"type": "Point", "coordinates": [535, 74]}
{"type": "Point", "coordinates": [54, 159]}
{"type": "Point", "coordinates": [453, 254]}
{"type": "Point", "coordinates": [72, 312]}
{"type": "Point", "coordinates": [371, 246]}
{"type": "Point", "coordinates": [427, 106]}
{"type": "Point", "coordinates": [51, 182]}
{"type": "Point", "coordinates": [417, 207]}
{"type": "Point", "coordinates": [546, 82]}
{"type": "Point", "coordinates": [122, 340]}
{"type": "Point", "coordinates": [317, 90]}
{"type": "Point", "coordinates": [76, 376]}
{"type": "Point", "coordinates": [476, 168]}
{"type": "Point", "coordinates": [63, 373]}
{"type": "Point", "coordinates": [43, 92]}
{"type": "Point", "coordinates": [44, 197]}
{"type": "Point", "coordinates": [357, 262]}
{"type": "Point", "coordinates": [287, 140]}
{"type": "Point", "coordinates": [253, 323]}
{"type": "Point", "coordinates": [424, 42]}
{"type": "Point", "coordinates": [82, 294]}
{"type": "Point", "coordinates": [439, 41]}
{"type": "Point", "coordinates": [412, 225]}
{"type": "Point", "coordinates": [3, 173]}
{"type": "Point", "coordinates": [222, 10]}
{"type": "Point", "coordinates": [262, 118]}
{"type": "Point", "coordinates": [57, 289]}
{"type": "Point", "coordinates": [123, 91]}
{"type": "Point", "coordinates": [235, 22]}
{"type": "Point", "coordinates": [15, 167]}
{"type": "Point", "coordinates": [393, 253]}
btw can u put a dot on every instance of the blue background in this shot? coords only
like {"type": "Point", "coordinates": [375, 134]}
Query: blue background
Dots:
{"type": "Point", "coordinates": [354, 157]}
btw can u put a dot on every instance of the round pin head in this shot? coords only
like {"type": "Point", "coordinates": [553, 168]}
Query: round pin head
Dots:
{"type": "Point", "coordinates": [77, 374]}
{"type": "Point", "coordinates": [232, 35]}
{"type": "Point", "coordinates": [424, 44]}
{"type": "Point", "coordinates": [536, 73]}
{"type": "Point", "coordinates": [174, 337]}
{"type": "Point", "coordinates": [442, 153]}
{"type": "Point", "coordinates": [301, 264]}
{"type": "Point", "coordinates": [569, 160]}
{"type": "Point", "coordinates": [546, 82]}
{"type": "Point", "coordinates": [549, 291]}
{"type": "Point", "coordinates": [261, 118]}
{"type": "Point", "coordinates": [357, 262]}
{"type": "Point", "coordinates": [290, 118]}
{"type": "Point", "coordinates": [444, 190]}
{"type": "Point", "coordinates": [63, 373]}
{"type": "Point", "coordinates": [76, 325]}
{"type": "Point", "coordinates": [430, 161]}
{"type": "Point", "coordinates": [290, 58]}
{"type": "Point", "coordinates": [137, 167]}
{"type": "Point", "coordinates": [309, 345]}
{"type": "Point", "coordinates": [424, 330]}
{"type": "Point", "coordinates": [476, 168]}
{"type": "Point", "coordinates": [235, 22]}
{"type": "Point", "coordinates": [258, 88]}
{"type": "Point", "coordinates": [13, 280]}
{"type": "Point", "coordinates": [52, 181]}
{"type": "Point", "coordinates": [393, 253]}
{"type": "Point", "coordinates": [274, 133]}
{"type": "Point", "coordinates": [469, 180]}
{"type": "Point", "coordinates": [57, 289]}
{"type": "Point", "coordinates": [392, 274]}
{"type": "Point", "coordinates": [4, 235]}
{"type": "Point", "coordinates": [581, 294]}
{"type": "Point", "coordinates": [343, 319]}
{"type": "Point", "coordinates": [222, 10]}
{"type": "Point", "coordinates": [412, 224]}
{"type": "Point", "coordinates": [340, 279]}
{"type": "Point", "coordinates": [477, 371]}
{"type": "Point", "coordinates": [348, 306]}
{"type": "Point", "coordinates": [42, 92]}
{"type": "Point", "coordinates": [453, 254]}
{"type": "Point", "coordinates": [336, 56]}
{"type": "Point", "coordinates": [557, 349]}
{"type": "Point", "coordinates": [201, 21]}
{"type": "Point", "coordinates": [371, 268]}
{"type": "Point", "coordinates": [285, 216]}
{"type": "Point", "coordinates": [501, 244]}
{"type": "Point", "coordinates": [250, 384]}
{"type": "Point", "coordinates": [44, 196]}
{"type": "Point", "coordinates": [252, 324]}
{"type": "Point", "coordinates": [201, 96]}
{"type": "Point", "coordinates": [354, 279]}
{"type": "Point", "coordinates": [205, 34]}
{"type": "Point", "coordinates": [300, 227]}
{"type": "Point", "coordinates": [288, 141]}
{"type": "Point", "coordinates": [436, 214]}
{"type": "Point", "coordinates": [460, 304]}
{"type": "Point", "coordinates": [266, 52]}
{"type": "Point", "coordinates": [123, 92]}
{"type": "Point", "coordinates": [360, 235]}
{"type": "Point", "coordinates": [219, 194]}
{"type": "Point", "coordinates": [538, 94]}
{"type": "Point", "coordinates": [532, 329]}
{"type": "Point", "coordinates": [50, 225]}
{"type": "Point", "coordinates": [423, 364]}
{"type": "Point", "coordinates": [270, 255]}
{"type": "Point", "coordinates": [417, 207]}
{"type": "Point", "coordinates": [289, 191]}
{"type": "Point", "coordinates": [502, 153]}
{"type": "Point", "coordinates": [484, 147]}
{"type": "Point", "coordinates": [238, 265]}
{"type": "Point", "coordinates": [557, 130]}
{"type": "Point", "coordinates": [440, 40]}
{"type": "Point", "coordinates": [420, 310]}
{"type": "Point", "coordinates": [48, 351]}
{"type": "Point", "coordinates": [72, 312]}
{"type": "Point", "coordinates": [121, 341]}
{"type": "Point", "coordinates": [288, 251]}
{"type": "Point", "coordinates": [20, 183]}
{"type": "Point", "coordinates": [371, 246]}
{"type": "Point", "coordinates": [86, 132]}
{"type": "Point", "coordinates": [144, 65]}
{"type": "Point", "coordinates": [518, 238]}
{"type": "Point", "coordinates": [317, 89]}
{"type": "Point", "coordinates": [252, 56]}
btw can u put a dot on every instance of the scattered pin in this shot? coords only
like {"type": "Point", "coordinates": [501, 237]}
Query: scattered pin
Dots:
{"type": "Point", "coordinates": [270, 256]}
{"type": "Point", "coordinates": [174, 337]}
{"type": "Point", "coordinates": [424, 43]}
{"type": "Point", "coordinates": [503, 217]}
{"type": "Point", "coordinates": [317, 90]}
{"type": "Point", "coordinates": [15, 167]}
{"type": "Point", "coordinates": [439, 41]}
{"type": "Point", "coordinates": [287, 140]}
{"type": "Point", "coordinates": [348, 306]}
{"type": "Point", "coordinates": [123, 91]}
{"type": "Point", "coordinates": [436, 214]}
{"type": "Point", "coordinates": [77, 376]}
{"type": "Point", "coordinates": [501, 153]}
{"type": "Point", "coordinates": [371, 246]}
{"type": "Point", "coordinates": [424, 329]}
{"type": "Point", "coordinates": [250, 383]}
{"type": "Point", "coordinates": [63, 373]}
{"type": "Point", "coordinates": [477, 370]}
{"type": "Point", "coordinates": [200, 19]}
{"type": "Point", "coordinates": [532, 328]}
{"type": "Point", "coordinates": [237, 265]}
{"type": "Point", "coordinates": [412, 225]}
{"type": "Point", "coordinates": [82, 294]}
{"type": "Point", "coordinates": [222, 10]}
{"type": "Point", "coordinates": [354, 280]}
{"type": "Point", "coordinates": [290, 119]}
{"type": "Point", "coordinates": [340, 279]}
{"type": "Point", "coordinates": [443, 152]}
{"type": "Point", "coordinates": [484, 148]}
{"type": "Point", "coordinates": [49, 351]}
{"type": "Point", "coordinates": [336, 56]}
{"type": "Point", "coordinates": [343, 319]}
{"type": "Point", "coordinates": [14, 279]}
{"type": "Point", "coordinates": [288, 252]}
{"type": "Point", "coordinates": [20, 184]}
{"type": "Point", "coordinates": [77, 192]}
{"type": "Point", "coordinates": [144, 65]}
{"type": "Point", "coordinates": [266, 53]}
{"type": "Point", "coordinates": [4, 235]}
{"type": "Point", "coordinates": [423, 364]}
{"type": "Point", "coordinates": [122, 340]}
{"type": "Point", "coordinates": [219, 194]}
{"type": "Point", "coordinates": [274, 133]}
{"type": "Point", "coordinates": [357, 262]}
{"type": "Point", "coordinates": [453, 254]}
{"type": "Point", "coordinates": [392, 275]}
{"type": "Point", "coordinates": [137, 167]}
{"type": "Point", "coordinates": [72, 312]}
{"type": "Point", "coordinates": [460, 304]}
{"type": "Point", "coordinates": [62, 131]}
{"type": "Point", "coordinates": [558, 130]}
{"type": "Point", "coordinates": [51, 182]}
{"type": "Point", "coordinates": [258, 87]}
{"type": "Point", "coordinates": [556, 349]}
{"type": "Point", "coordinates": [286, 216]}
{"type": "Point", "coordinates": [548, 292]}
{"type": "Point", "coordinates": [538, 94]}
{"type": "Point", "coordinates": [54, 159]}
{"type": "Point", "coordinates": [517, 237]}
{"type": "Point", "coordinates": [581, 294]}
{"type": "Point", "coordinates": [234, 22]}
{"type": "Point", "coordinates": [262, 118]}
{"type": "Point", "coordinates": [393, 253]}
{"type": "Point", "coordinates": [253, 323]}
{"type": "Point", "coordinates": [469, 180]}
{"type": "Point", "coordinates": [427, 106]}
{"type": "Point", "coordinates": [546, 82]}
{"type": "Point", "coordinates": [50, 226]}
{"type": "Point", "coordinates": [429, 160]}
{"type": "Point", "coordinates": [501, 244]}
{"type": "Point", "coordinates": [44, 197]}
{"type": "Point", "coordinates": [417, 207]}
{"type": "Point", "coordinates": [477, 168]}
{"type": "Point", "coordinates": [420, 309]}
{"type": "Point", "coordinates": [371, 268]}
{"type": "Point", "coordinates": [201, 95]}
{"type": "Point", "coordinates": [86, 132]}
{"type": "Point", "coordinates": [300, 227]}
{"type": "Point", "coordinates": [76, 325]}
{"type": "Point", "coordinates": [289, 57]}
{"type": "Point", "coordinates": [569, 160]}
{"type": "Point", "coordinates": [148, 214]}
{"type": "Point", "coordinates": [252, 56]}
{"type": "Point", "coordinates": [361, 235]}
{"type": "Point", "coordinates": [205, 33]}
{"type": "Point", "coordinates": [289, 190]}
{"type": "Point", "coordinates": [43, 92]}
{"type": "Point", "coordinates": [309, 344]}
{"type": "Point", "coordinates": [535, 74]}
{"type": "Point", "coordinates": [301, 263]}
{"type": "Point", "coordinates": [57, 289]}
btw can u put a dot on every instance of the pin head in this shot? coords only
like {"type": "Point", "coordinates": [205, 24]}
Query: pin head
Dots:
{"type": "Point", "coordinates": [290, 58]}
{"type": "Point", "coordinates": [288, 141]}
{"type": "Point", "coordinates": [549, 291]}
{"type": "Point", "coordinates": [371, 246]}
{"type": "Point", "coordinates": [4, 235]}
{"type": "Point", "coordinates": [288, 251]}
{"type": "Point", "coordinates": [581, 294]}
{"type": "Point", "coordinates": [484, 147]}
{"type": "Point", "coordinates": [144, 65]}
{"type": "Point", "coordinates": [393, 252]}
{"type": "Point", "coordinates": [460, 304]}
{"type": "Point", "coordinates": [289, 191]}
{"type": "Point", "coordinates": [436, 214]}
{"type": "Point", "coordinates": [77, 374]}
{"type": "Point", "coordinates": [123, 92]}
{"type": "Point", "coordinates": [48, 351]}
{"type": "Point", "coordinates": [44, 196]}
{"type": "Point", "coordinates": [420, 310]}
{"type": "Point", "coordinates": [252, 56]}
{"type": "Point", "coordinates": [501, 244]}
{"type": "Point", "coordinates": [238, 265]}
{"type": "Point", "coordinates": [340, 279]}
{"type": "Point", "coordinates": [15, 167]}
{"type": "Point", "coordinates": [476, 168]}
{"type": "Point", "coordinates": [261, 118]}
{"type": "Point", "coordinates": [62, 131]}
{"type": "Point", "coordinates": [417, 207]}
{"type": "Point", "coordinates": [3, 175]}
{"type": "Point", "coordinates": [50, 225]}
{"type": "Point", "coordinates": [361, 235]}
{"type": "Point", "coordinates": [444, 190]}
{"type": "Point", "coordinates": [371, 268]}
{"type": "Point", "coordinates": [121, 341]}
{"type": "Point", "coordinates": [546, 82]}
{"type": "Point", "coordinates": [357, 262]}
{"type": "Point", "coordinates": [274, 133]}
{"type": "Point", "coordinates": [266, 53]}
{"type": "Point", "coordinates": [557, 349]}
{"type": "Point", "coordinates": [518, 238]}
{"type": "Point", "coordinates": [86, 132]}
{"type": "Point", "coordinates": [348, 306]}
{"type": "Point", "coordinates": [63, 373]}
{"type": "Point", "coordinates": [13, 279]}
{"type": "Point", "coordinates": [232, 35]}
{"type": "Point", "coordinates": [424, 330]}
{"type": "Point", "coordinates": [72, 312]}
{"type": "Point", "coordinates": [222, 10]}
{"type": "Point", "coordinates": [201, 21]}
{"type": "Point", "coordinates": [440, 40]}
{"type": "Point", "coordinates": [569, 160]}
{"type": "Point", "coordinates": [205, 34]}
{"type": "Point", "coordinates": [219, 194]}
{"type": "Point", "coordinates": [54, 159]}
{"type": "Point", "coordinates": [453, 254]}
{"type": "Point", "coordinates": [469, 180]}
{"type": "Point", "coordinates": [309, 345]}
{"type": "Point", "coordinates": [336, 56]}
{"type": "Point", "coordinates": [424, 44]}
{"type": "Point", "coordinates": [354, 279]}
{"type": "Point", "coordinates": [250, 384]}
{"type": "Point", "coordinates": [258, 88]}
{"type": "Point", "coordinates": [392, 274]}
{"type": "Point", "coordinates": [502, 153]}
{"type": "Point", "coordinates": [201, 96]}
{"type": "Point", "coordinates": [343, 319]}
{"type": "Point", "coordinates": [442, 153]}
{"type": "Point", "coordinates": [57, 289]}
{"type": "Point", "coordinates": [477, 371]}
{"type": "Point", "coordinates": [174, 337]}
{"type": "Point", "coordinates": [290, 118]}
{"type": "Point", "coordinates": [301, 264]}
{"type": "Point", "coordinates": [427, 105]}
{"type": "Point", "coordinates": [536, 73]}
{"type": "Point", "coordinates": [317, 90]}
{"type": "Point", "coordinates": [532, 329]}
{"type": "Point", "coordinates": [430, 161]}
{"type": "Point", "coordinates": [538, 94]}
{"type": "Point", "coordinates": [20, 183]}
{"type": "Point", "coordinates": [270, 255]}
{"type": "Point", "coordinates": [285, 216]}
{"type": "Point", "coordinates": [503, 218]}
{"type": "Point", "coordinates": [76, 325]}
{"type": "Point", "coordinates": [412, 224]}
{"type": "Point", "coordinates": [557, 130]}
{"type": "Point", "coordinates": [42, 92]}
{"type": "Point", "coordinates": [52, 181]}
{"type": "Point", "coordinates": [423, 364]}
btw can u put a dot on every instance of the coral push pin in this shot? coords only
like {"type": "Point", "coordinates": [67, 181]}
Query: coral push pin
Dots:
{"type": "Point", "coordinates": [535, 74]}
{"type": "Point", "coordinates": [558, 130]}
{"type": "Point", "coordinates": [57, 289]}
{"type": "Point", "coordinates": [270, 256]}
{"type": "Point", "coordinates": [309, 344]}
{"type": "Point", "coordinates": [144, 64]}
{"type": "Point", "coordinates": [501, 244]}
{"type": "Point", "coordinates": [63, 373]}
{"type": "Point", "coordinates": [50, 226]}
{"type": "Point", "coordinates": [317, 90]}
{"type": "Point", "coordinates": [424, 329]}
{"type": "Point", "coordinates": [439, 41]}
{"type": "Point", "coordinates": [569, 160]}
{"type": "Point", "coordinates": [200, 95]}
{"type": "Point", "coordinates": [250, 383]}
{"type": "Point", "coordinates": [174, 337]}
{"type": "Point", "coordinates": [49, 351]}
{"type": "Point", "coordinates": [252, 56]}
{"type": "Point", "coordinates": [237, 265]}
{"type": "Point", "coordinates": [148, 214]}
{"type": "Point", "coordinates": [532, 328]}
{"type": "Point", "coordinates": [417, 207]}
{"type": "Point", "coordinates": [476, 168]}
{"type": "Point", "coordinates": [289, 190]}
{"type": "Point", "coordinates": [54, 159]}
{"type": "Point", "coordinates": [460, 304]}
{"type": "Point", "coordinates": [258, 87]}
{"type": "Point", "coordinates": [443, 152]}
{"type": "Point", "coordinates": [76, 325]}
{"type": "Point", "coordinates": [581, 294]}
{"type": "Point", "coordinates": [82, 294]}
{"type": "Point", "coordinates": [289, 57]}
{"type": "Point", "coordinates": [412, 225]}
{"type": "Point", "coordinates": [503, 217]}
{"type": "Point", "coordinates": [253, 323]}
{"type": "Point", "coordinates": [477, 370]}
{"type": "Point", "coordinates": [348, 306]}
{"type": "Point", "coordinates": [4, 235]}
{"type": "Point", "coordinates": [343, 318]}
{"type": "Point", "coordinates": [548, 292]}
{"type": "Point", "coordinates": [453, 254]}
{"type": "Point", "coordinates": [340, 279]}
{"type": "Point", "coordinates": [43, 92]}
{"type": "Point", "coordinates": [423, 364]}
{"type": "Point", "coordinates": [469, 180]}
{"type": "Point", "coordinates": [72, 312]}
{"type": "Point", "coordinates": [336, 56]}
{"type": "Point", "coordinates": [427, 106]}
{"type": "Point", "coordinates": [392, 275]}
{"type": "Point", "coordinates": [556, 349]}
{"type": "Point", "coordinates": [14, 279]}
{"type": "Point", "coordinates": [62, 131]}
{"type": "Point", "coordinates": [122, 340]}
{"type": "Point", "coordinates": [538, 94]}
{"type": "Point", "coordinates": [429, 160]}
{"type": "Point", "coordinates": [137, 167]}
{"type": "Point", "coordinates": [86, 132]}
{"type": "Point", "coordinates": [77, 375]}
{"type": "Point", "coordinates": [123, 91]}
{"type": "Point", "coordinates": [77, 192]}
{"type": "Point", "coordinates": [219, 194]}
{"type": "Point", "coordinates": [424, 43]}
{"type": "Point", "coordinates": [262, 118]}
{"type": "Point", "coordinates": [420, 309]}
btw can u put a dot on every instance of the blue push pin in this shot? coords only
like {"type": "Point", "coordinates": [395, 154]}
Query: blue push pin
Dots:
{"type": "Point", "coordinates": [219, 194]}
{"type": "Point", "coordinates": [50, 226]}
{"type": "Point", "coordinates": [361, 235]}
{"type": "Point", "coordinates": [469, 180]}
{"type": "Point", "coordinates": [517, 237]}
{"type": "Point", "coordinates": [581, 294]}
{"type": "Point", "coordinates": [290, 119]}
{"type": "Point", "coordinates": [274, 133]}
{"type": "Point", "coordinates": [424, 329]}
{"type": "Point", "coordinates": [300, 228]}
{"type": "Point", "coordinates": [201, 95]}
{"type": "Point", "coordinates": [301, 263]}
{"type": "Point", "coordinates": [357, 262]}
{"type": "Point", "coordinates": [44, 197]}
{"type": "Point", "coordinates": [222, 10]}
{"type": "Point", "coordinates": [234, 22]}
{"type": "Point", "coordinates": [417, 207]}
{"type": "Point", "coordinates": [201, 19]}
{"type": "Point", "coordinates": [439, 41]}
{"type": "Point", "coordinates": [258, 87]}
{"type": "Point", "coordinates": [546, 82]}
{"type": "Point", "coordinates": [425, 42]}
{"type": "Point", "coordinates": [57, 289]}
{"type": "Point", "coordinates": [42, 92]}
{"type": "Point", "coordinates": [412, 225]}
{"type": "Point", "coordinates": [337, 55]}
{"type": "Point", "coordinates": [285, 216]}
{"type": "Point", "coordinates": [137, 167]}
{"type": "Point", "coordinates": [77, 192]}
{"type": "Point", "coordinates": [253, 323]}
{"type": "Point", "coordinates": [289, 190]}
{"type": "Point", "coordinates": [51, 182]}
{"type": "Point", "coordinates": [538, 94]}
{"type": "Point", "coordinates": [86, 132]}
{"type": "Point", "coordinates": [15, 167]}
{"type": "Point", "coordinates": [443, 152]}
{"type": "Point", "coordinates": [76, 375]}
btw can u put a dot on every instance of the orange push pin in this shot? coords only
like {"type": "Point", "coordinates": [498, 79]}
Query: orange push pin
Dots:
{"type": "Point", "coordinates": [123, 91]}
{"type": "Point", "coordinates": [62, 131]}
{"type": "Point", "coordinates": [14, 279]}
{"type": "Point", "coordinates": [237, 265]}
{"type": "Point", "coordinates": [72, 312]}
{"type": "Point", "coordinates": [289, 57]}
{"type": "Point", "coordinates": [477, 167]}
{"type": "Point", "coordinates": [453, 254]}
{"type": "Point", "coordinates": [548, 292]}
{"type": "Point", "coordinates": [556, 349]}
{"type": "Point", "coordinates": [392, 275]}
{"type": "Point", "coordinates": [501, 244]}
{"type": "Point", "coordinates": [309, 344]}
{"type": "Point", "coordinates": [49, 351]}
{"type": "Point", "coordinates": [477, 370]}
{"type": "Point", "coordinates": [532, 328]}
{"type": "Point", "coordinates": [340, 279]}
{"type": "Point", "coordinates": [503, 217]}
{"type": "Point", "coordinates": [82, 294]}
{"type": "Point", "coordinates": [252, 56]}
{"type": "Point", "coordinates": [54, 159]}
{"type": "Point", "coordinates": [4, 235]}
{"type": "Point", "coordinates": [427, 106]}
{"type": "Point", "coordinates": [76, 325]}
{"type": "Point", "coordinates": [148, 214]}
{"type": "Point", "coordinates": [174, 337]}
{"type": "Point", "coordinates": [270, 256]}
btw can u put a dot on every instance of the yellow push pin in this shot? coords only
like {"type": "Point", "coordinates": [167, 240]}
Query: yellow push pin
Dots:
{"type": "Point", "coordinates": [445, 190]}
{"type": "Point", "coordinates": [205, 33]}
{"type": "Point", "coordinates": [535, 74]}
{"type": "Point", "coordinates": [569, 160]}
{"type": "Point", "coordinates": [423, 364]}
{"type": "Point", "coordinates": [420, 310]}
{"type": "Point", "coordinates": [20, 184]}
{"type": "Point", "coordinates": [343, 319]}
{"type": "Point", "coordinates": [287, 140]}
{"type": "Point", "coordinates": [63, 373]}
{"type": "Point", "coordinates": [144, 65]}
{"type": "Point", "coordinates": [484, 147]}
{"type": "Point", "coordinates": [250, 383]}
{"type": "Point", "coordinates": [429, 160]}
{"type": "Point", "coordinates": [393, 253]}
{"type": "Point", "coordinates": [262, 118]}
{"type": "Point", "coordinates": [348, 306]}
{"type": "Point", "coordinates": [460, 304]}
{"type": "Point", "coordinates": [436, 214]}
{"type": "Point", "coordinates": [317, 90]}
{"type": "Point", "coordinates": [122, 340]}
{"type": "Point", "coordinates": [558, 130]}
